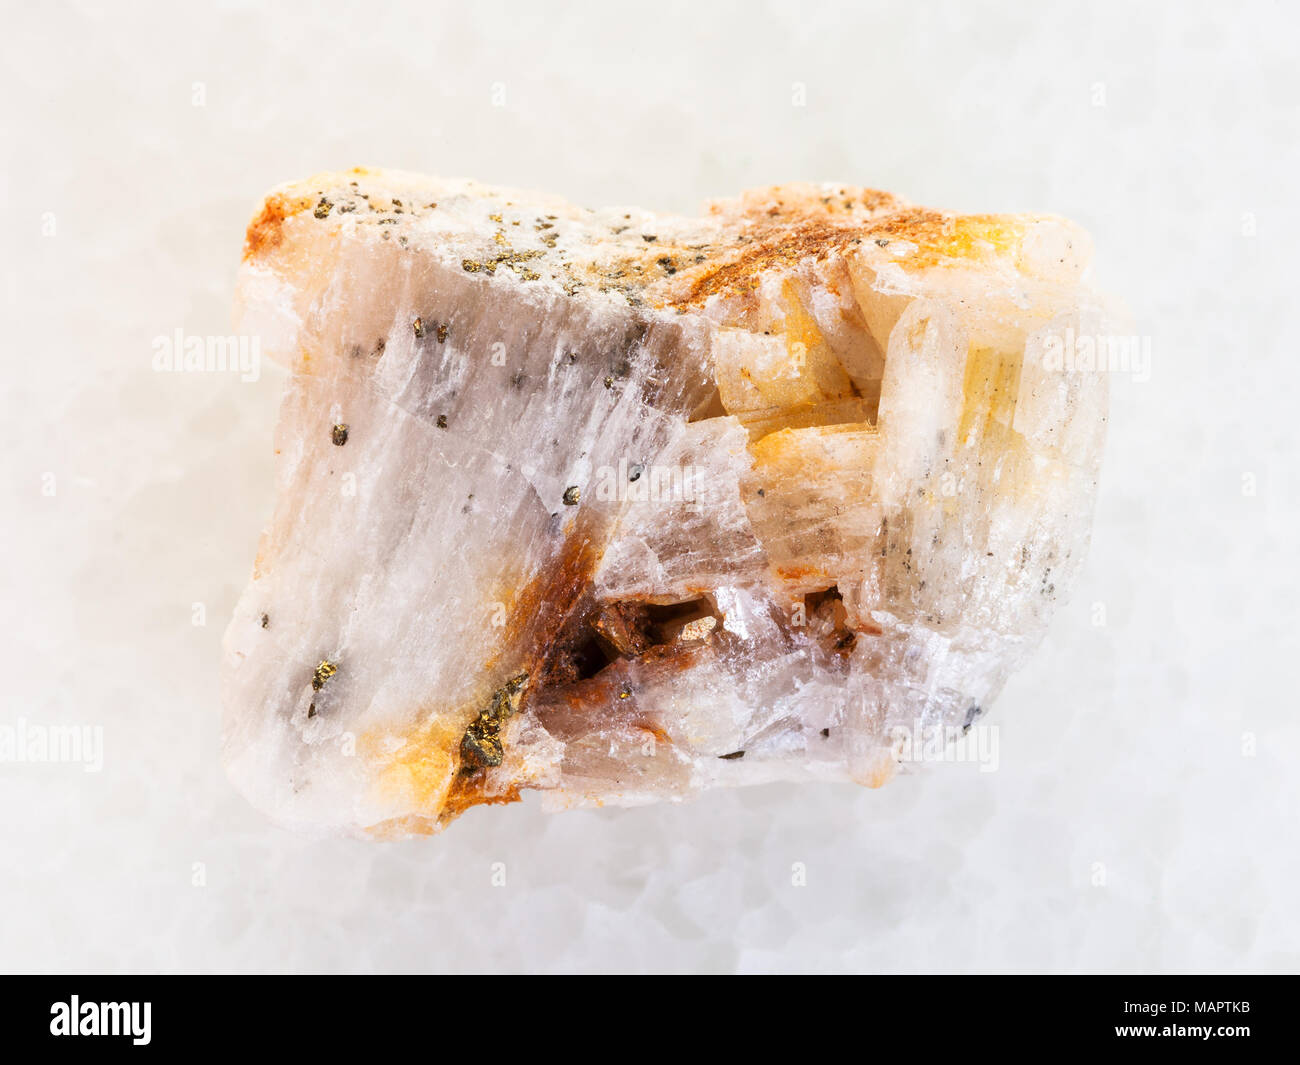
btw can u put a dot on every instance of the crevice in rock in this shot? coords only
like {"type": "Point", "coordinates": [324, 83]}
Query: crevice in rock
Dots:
{"type": "Point", "coordinates": [828, 619]}
{"type": "Point", "coordinates": [624, 629]}
{"type": "Point", "coordinates": [710, 407]}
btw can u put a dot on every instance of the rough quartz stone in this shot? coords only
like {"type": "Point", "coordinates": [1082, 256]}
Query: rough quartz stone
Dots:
{"type": "Point", "coordinates": [620, 506]}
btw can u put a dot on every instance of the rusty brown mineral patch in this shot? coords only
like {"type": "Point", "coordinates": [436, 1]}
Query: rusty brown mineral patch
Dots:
{"type": "Point", "coordinates": [469, 790]}
{"type": "Point", "coordinates": [267, 229]}
{"type": "Point", "coordinates": [782, 245]}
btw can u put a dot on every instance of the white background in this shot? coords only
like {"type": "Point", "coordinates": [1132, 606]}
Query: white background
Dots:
{"type": "Point", "coordinates": [1129, 826]}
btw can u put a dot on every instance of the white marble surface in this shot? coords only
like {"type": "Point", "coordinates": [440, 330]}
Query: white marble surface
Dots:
{"type": "Point", "coordinates": [1144, 813]}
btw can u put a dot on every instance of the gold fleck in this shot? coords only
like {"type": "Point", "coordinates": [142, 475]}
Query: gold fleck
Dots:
{"type": "Point", "coordinates": [324, 671]}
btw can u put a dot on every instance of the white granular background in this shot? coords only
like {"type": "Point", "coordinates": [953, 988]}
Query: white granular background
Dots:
{"type": "Point", "coordinates": [1144, 811]}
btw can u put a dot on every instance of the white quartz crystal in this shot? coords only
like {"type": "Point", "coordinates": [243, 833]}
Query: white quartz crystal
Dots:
{"type": "Point", "coordinates": [620, 506]}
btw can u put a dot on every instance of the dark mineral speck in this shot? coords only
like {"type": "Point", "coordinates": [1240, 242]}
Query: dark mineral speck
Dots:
{"type": "Point", "coordinates": [323, 672]}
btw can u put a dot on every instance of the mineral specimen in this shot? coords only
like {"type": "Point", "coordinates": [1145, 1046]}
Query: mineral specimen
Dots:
{"type": "Point", "coordinates": [634, 505]}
